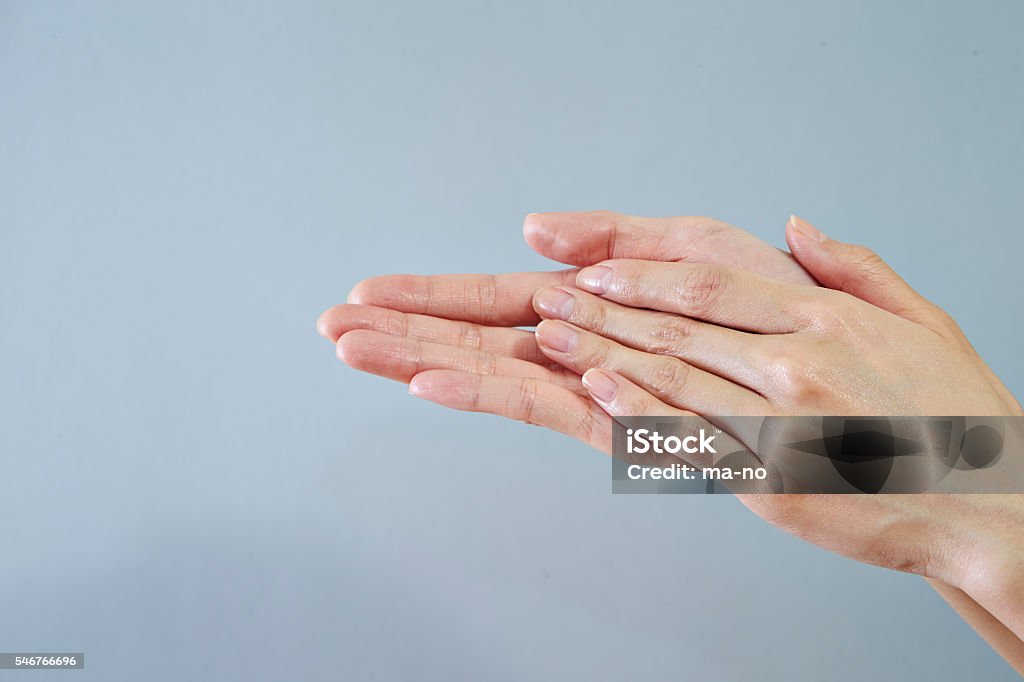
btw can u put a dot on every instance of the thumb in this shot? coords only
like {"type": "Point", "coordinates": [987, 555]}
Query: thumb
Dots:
{"type": "Point", "coordinates": [855, 269]}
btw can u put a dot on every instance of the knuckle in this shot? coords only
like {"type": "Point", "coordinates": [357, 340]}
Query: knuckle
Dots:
{"type": "Point", "coordinates": [668, 378]}
{"type": "Point", "coordinates": [485, 293]}
{"type": "Point", "coordinates": [475, 402]}
{"type": "Point", "coordinates": [670, 335]}
{"type": "Point", "coordinates": [609, 225]}
{"type": "Point", "coordinates": [590, 315]}
{"type": "Point", "coordinates": [468, 336]}
{"type": "Point", "coordinates": [629, 281]}
{"type": "Point", "coordinates": [704, 228]}
{"type": "Point", "coordinates": [418, 295]}
{"type": "Point", "coordinates": [485, 363]}
{"type": "Point", "coordinates": [803, 389]}
{"type": "Point", "coordinates": [363, 350]}
{"type": "Point", "coordinates": [864, 257]}
{"type": "Point", "coordinates": [700, 288]}
{"type": "Point", "coordinates": [943, 322]}
{"type": "Point", "coordinates": [593, 356]}
{"type": "Point", "coordinates": [588, 425]}
{"type": "Point", "coordinates": [614, 218]}
{"type": "Point", "coordinates": [704, 222]}
{"type": "Point", "coordinates": [827, 312]}
{"type": "Point", "coordinates": [526, 402]}
{"type": "Point", "coordinates": [391, 322]}
{"type": "Point", "coordinates": [588, 428]}
{"type": "Point", "coordinates": [869, 268]}
{"type": "Point", "coordinates": [860, 267]}
{"type": "Point", "coordinates": [790, 376]}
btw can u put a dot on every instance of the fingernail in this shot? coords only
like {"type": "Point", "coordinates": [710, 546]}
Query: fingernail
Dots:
{"type": "Point", "coordinates": [600, 385]}
{"type": "Point", "coordinates": [594, 279]}
{"type": "Point", "coordinates": [557, 336]}
{"type": "Point", "coordinates": [806, 229]}
{"type": "Point", "coordinates": [556, 303]}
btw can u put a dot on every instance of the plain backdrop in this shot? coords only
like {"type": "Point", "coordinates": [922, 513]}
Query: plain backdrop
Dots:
{"type": "Point", "coordinates": [193, 487]}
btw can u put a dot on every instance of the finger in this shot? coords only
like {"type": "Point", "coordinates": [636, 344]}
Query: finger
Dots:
{"type": "Point", "coordinates": [669, 379]}
{"type": "Point", "coordinates": [398, 358]}
{"type": "Point", "coordinates": [734, 298]}
{"type": "Point", "coordinates": [525, 399]}
{"type": "Point", "coordinates": [857, 270]}
{"type": "Point", "coordinates": [588, 237]}
{"type": "Point", "coordinates": [576, 238]}
{"type": "Point", "coordinates": [515, 343]}
{"type": "Point", "coordinates": [620, 397]}
{"type": "Point", "coordinates": [726, 352]}
{"type": "Point", "coordinates": [496, 300]}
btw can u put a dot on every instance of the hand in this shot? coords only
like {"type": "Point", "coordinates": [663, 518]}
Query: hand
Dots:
{"type": "Point", "coordinates": [465, 326]}
{"type": "Point", "coordinates": [723, 341]}
{"type": "Point", "coordinates": [477, 313]}
{"type": "Point", "coordinates": [472, 320]}
{"type": "Point", "coordinates": [652, 338]}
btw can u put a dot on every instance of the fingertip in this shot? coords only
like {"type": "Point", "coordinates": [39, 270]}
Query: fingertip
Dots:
{"type": "Point", "coordinates": [416, 387]}
{"type": "Point", "coordinates": [427, 382]}
{"type": "Point", "coordinates": [804, 245]}
{"type": "Point", "coordinates": [804, 229]}
{"type": "Point", "coordinates": [341, 350]}
{"type": "Point", "coordinates": [441, 386]}
{"type": "Point", "coordinates": [792, 237]}
{"type": "Point", "coordinates": [355, 347]}
{"type": "Point", "coordinates": [322, 327]}
{"type": "Point", "coordinates": [358, 292]}
{"type": "Point", "coordinates": [341, 319]}
{"type": "Point", "coordinates": [536, 233]}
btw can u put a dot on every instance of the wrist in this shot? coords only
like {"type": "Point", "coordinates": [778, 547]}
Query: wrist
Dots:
{"type": "Point", "coordinates": [991, 568]}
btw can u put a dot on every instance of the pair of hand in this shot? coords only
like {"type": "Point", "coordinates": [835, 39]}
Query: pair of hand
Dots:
{"type": "Point", "coordinates": [687, 316]}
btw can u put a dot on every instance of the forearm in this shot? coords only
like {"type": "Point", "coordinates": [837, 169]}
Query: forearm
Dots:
{"type": "Point", "coordinates": [988, 627]}
{"type": "Point", "coordinates": [994, 575]}
{"type": "Point", "coordinates": [997, 583]}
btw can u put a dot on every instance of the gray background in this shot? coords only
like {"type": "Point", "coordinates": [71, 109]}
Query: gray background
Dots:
{"type": "Point", "coordinates": [194, 488]}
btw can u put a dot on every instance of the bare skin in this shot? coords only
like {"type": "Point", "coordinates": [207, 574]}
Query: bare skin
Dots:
{"type": "Point", "coordinates": [745, 334]}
